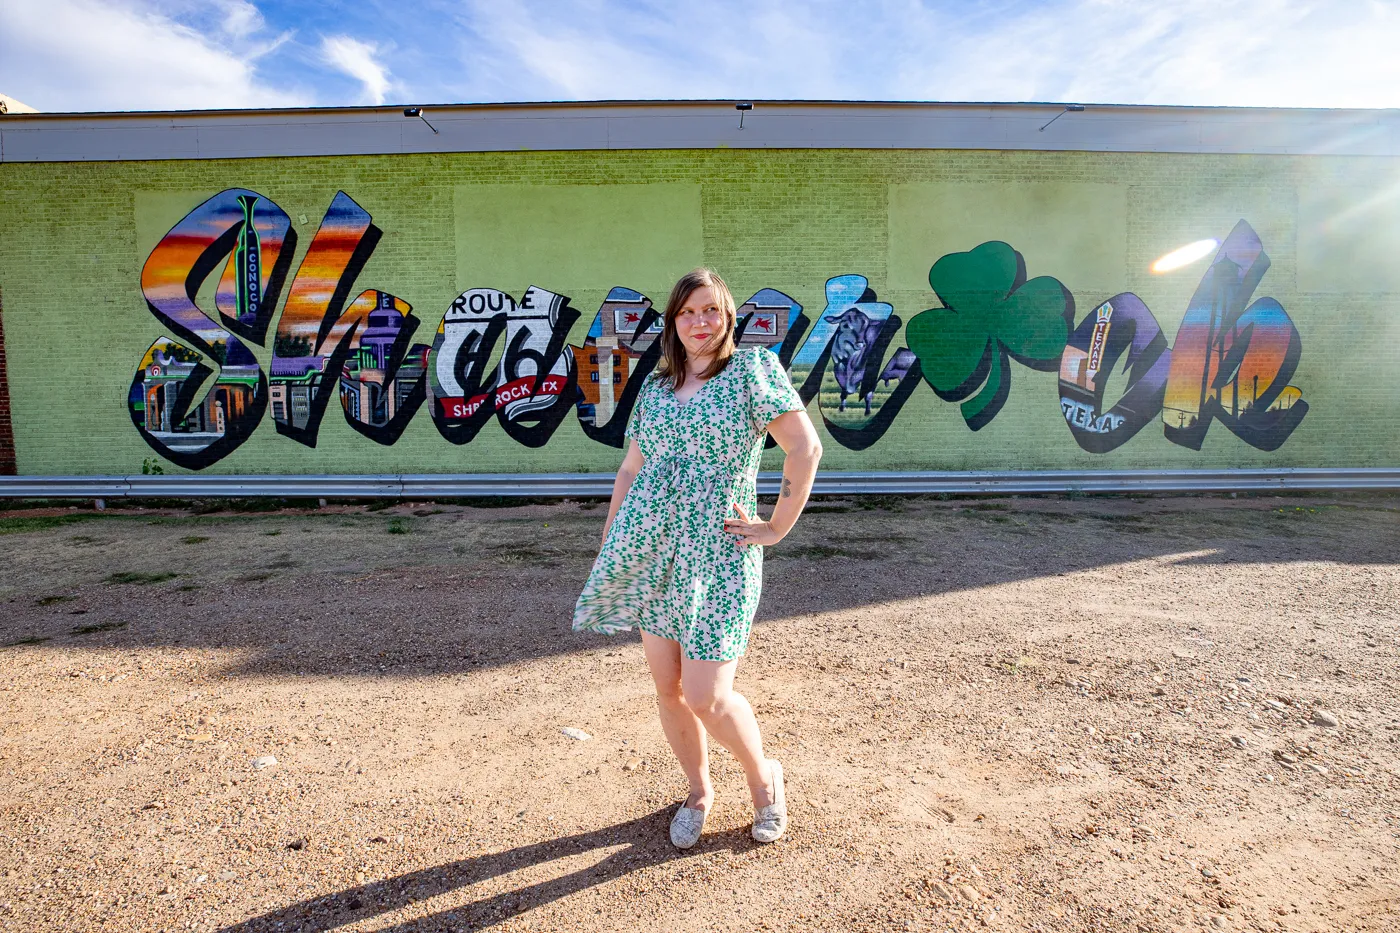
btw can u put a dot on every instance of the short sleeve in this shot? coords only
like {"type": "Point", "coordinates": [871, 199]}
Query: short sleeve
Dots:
{"type": "Point", "coordinates": [634, 423]}
{"type": "Point", "coordinates": [770, 390]}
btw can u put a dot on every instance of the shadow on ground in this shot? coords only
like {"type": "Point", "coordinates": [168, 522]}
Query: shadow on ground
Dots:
{"type": "Point", "coordinates": [645, 845]}
{"type": "Point", "coordinates": [432, 590]}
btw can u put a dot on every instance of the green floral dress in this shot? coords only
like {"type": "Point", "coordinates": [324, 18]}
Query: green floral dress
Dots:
{"type": "Point", "coordinates": [667, 565]}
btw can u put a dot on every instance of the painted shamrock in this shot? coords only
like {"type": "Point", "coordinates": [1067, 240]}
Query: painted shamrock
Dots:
{"type": "Point", "coordinates": [990, 315]}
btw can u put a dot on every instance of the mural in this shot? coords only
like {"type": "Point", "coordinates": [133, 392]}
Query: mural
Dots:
{"type": "Point", "coordinates": [533, 386]}
{"type": "Point", "coordinates": [1123, 323]}
{"type": "Point", "coordinates": [255, 243]}
{"type": "Point", "coordinates": [496, 358]}
{"type": "Point", "coordinates": [1232, 362]}
{"type": "Point", "coordinates": [991, 315]}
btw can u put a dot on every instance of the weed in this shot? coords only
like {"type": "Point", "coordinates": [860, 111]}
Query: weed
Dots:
{"type": "Point", "coordinates": [51, 600]}
{"type": "Point", "coordinates": [379, 505]}
{"type": "Point", "coordinates": [194, 539]}
{"type": "Point", "coordinates": [398, 526]}
{"type": "Point", "coordinates": [273, 533]}
{"type": "Point", "coordinates": [99, 627]}
{"type": "Point", "coordinates": [139, 578]}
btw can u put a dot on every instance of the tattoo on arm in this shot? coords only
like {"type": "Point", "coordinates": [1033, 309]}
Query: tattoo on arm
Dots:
{"type": "Point", "coordinates": [787, 487]}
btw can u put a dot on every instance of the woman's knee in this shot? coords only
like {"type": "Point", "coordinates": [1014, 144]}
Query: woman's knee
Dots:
{"type": "Point", "coordinates": [703, 699]}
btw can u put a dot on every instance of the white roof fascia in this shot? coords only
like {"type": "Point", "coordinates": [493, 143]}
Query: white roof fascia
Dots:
{"type": "Point", "coordinates": [233, 134]}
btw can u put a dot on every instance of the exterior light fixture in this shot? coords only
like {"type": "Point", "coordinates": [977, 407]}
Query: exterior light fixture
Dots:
{"type": "Point", "coordinates": [742, 108]}
{"type": "Point", "coordinates": [1069, 108]}
{"type": "Point", "coordinates": [1184, 256]}
{"type": "Point", "coordinates": [418, 112]}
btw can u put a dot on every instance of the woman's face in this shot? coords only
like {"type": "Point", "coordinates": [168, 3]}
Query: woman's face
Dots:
{"type": "Point", "coordinates": [699, 323]}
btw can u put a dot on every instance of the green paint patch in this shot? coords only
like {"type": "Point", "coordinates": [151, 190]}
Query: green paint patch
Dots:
{"type": "Point", "coordinates": [139, 578]}
{"type": "Point", "coordinates": [194, 539]}
{"type": "Point", "coordinates": [100, 627]}
{"type": "Point", "coordinates": [53, 600]}
{"type": "Point", "coordinates": [31, 640]}
{"type": "Point", "coordinates": [23, 524]}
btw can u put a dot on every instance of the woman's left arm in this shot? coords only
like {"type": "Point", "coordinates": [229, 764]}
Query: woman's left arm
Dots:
{"type": "Point", "coordinates": [802, 451]}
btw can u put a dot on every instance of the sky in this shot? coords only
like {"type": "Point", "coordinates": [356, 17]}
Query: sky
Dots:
{"type": "Point", "coordinates": [92, 55]}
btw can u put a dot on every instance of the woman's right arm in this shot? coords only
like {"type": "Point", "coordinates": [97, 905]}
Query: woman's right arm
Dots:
{"type": "Point", "coordinates": [631, 466]}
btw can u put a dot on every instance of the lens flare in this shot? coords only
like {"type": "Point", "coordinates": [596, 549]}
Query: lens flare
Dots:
{"type": "Point", "coordinates": [1184, 256]}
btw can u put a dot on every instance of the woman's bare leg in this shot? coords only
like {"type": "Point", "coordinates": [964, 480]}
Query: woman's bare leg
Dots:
{"type": "Point", "coordinates": [708, 687]}
{"type": "Point", "coordinates": [683, 729]}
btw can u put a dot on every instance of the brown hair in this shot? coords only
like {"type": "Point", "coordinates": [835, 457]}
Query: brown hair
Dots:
{"type": "Point", "coordinates": [671, 368]}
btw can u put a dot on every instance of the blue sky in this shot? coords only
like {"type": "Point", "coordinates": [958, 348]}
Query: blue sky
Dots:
{"type": "Point", "coordinates": [193, 54]}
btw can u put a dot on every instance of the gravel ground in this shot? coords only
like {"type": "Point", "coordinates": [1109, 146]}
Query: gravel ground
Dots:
{"type": "Point", "coordinates": [1020, 713]}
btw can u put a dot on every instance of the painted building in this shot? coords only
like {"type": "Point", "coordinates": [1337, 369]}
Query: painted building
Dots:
{"type": "Point", "coordinates": [952, 287]}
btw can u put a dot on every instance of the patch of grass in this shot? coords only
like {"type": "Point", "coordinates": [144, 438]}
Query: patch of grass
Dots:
{"type": "Point", "coordinates": [398, 526]}
{"type": "Point", "coordinates": [100, 627]}
{"type": "Point", "coordinates": [31, 640]}
{"type": "Point", "coordinates": [187, 587]}
{"type": "Point", "coordinates": [380, 505]}
{"type": "Point", "coordinates": [273, 533]}
{"type": "Point", "coordinates": [880, 503]}
{"type": "Point", "coordinates": [424, 513]}
{"type": "Point", "coordinates": [53, 600]}
{"type": "Point", "coordinates": [22, 524]}
{"type": "Point", "coordinates": [82, 539]}
{"type": "Point", "coordinates": [194, 539]}
{"type": "Point", "coordinates": [140, 578]}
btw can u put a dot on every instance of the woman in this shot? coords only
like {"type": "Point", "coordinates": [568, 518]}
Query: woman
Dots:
{"type": "Point", "coordinates": [682, 553]}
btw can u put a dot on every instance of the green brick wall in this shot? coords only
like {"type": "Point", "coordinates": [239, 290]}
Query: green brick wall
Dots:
{"type": "Point", "coordinates": [74, 237]}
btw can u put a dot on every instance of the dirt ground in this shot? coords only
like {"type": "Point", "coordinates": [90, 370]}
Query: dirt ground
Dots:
{"type": "Point", "coordinates": [1028, 714]}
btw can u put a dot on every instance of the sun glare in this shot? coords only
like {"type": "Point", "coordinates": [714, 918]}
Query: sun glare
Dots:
{"type": "Point", "coordinates": [1184, 256]}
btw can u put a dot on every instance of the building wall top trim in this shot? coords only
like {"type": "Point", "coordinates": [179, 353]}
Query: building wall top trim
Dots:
{"type": "Point", "coordinates": [596, 125]}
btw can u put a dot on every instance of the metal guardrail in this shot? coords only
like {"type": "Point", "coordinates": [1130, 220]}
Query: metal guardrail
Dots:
{"type": "Point", "coordinates": [548, 485]}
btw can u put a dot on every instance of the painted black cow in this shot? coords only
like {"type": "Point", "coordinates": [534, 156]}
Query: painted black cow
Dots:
{"type": "Point", "coordinates": [856, 335]}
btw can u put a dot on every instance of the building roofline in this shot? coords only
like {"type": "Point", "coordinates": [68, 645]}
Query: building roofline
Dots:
{"type": "Point", "coordinates": [694, 124]}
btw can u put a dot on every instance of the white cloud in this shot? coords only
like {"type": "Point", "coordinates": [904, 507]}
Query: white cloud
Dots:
{"type": "Point", "coordinates": [95, 55]}
{"type": "Point", "coordinates": [241, 19]}
{"type": "Point", "coordinates": [359, 60]}
{"type": "Point", "coordinates": [1337, 53]}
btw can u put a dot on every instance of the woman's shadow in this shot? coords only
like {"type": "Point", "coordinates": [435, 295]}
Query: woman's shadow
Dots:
{"type": "Point", "coordinates": [645, 839]}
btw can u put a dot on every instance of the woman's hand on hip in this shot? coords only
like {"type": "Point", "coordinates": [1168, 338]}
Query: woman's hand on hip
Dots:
{"type": "Point", "coordinates": [748, 531]}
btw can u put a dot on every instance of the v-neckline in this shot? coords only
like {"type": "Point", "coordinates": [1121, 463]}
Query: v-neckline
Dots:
{"type": "Point", "coordinates": [703, 386]}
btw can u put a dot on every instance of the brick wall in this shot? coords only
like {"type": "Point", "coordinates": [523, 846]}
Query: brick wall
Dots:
{"type": "Point", "coordinates": [7, 436]}
{"type": "Point", "coordinates": [76, 235]}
